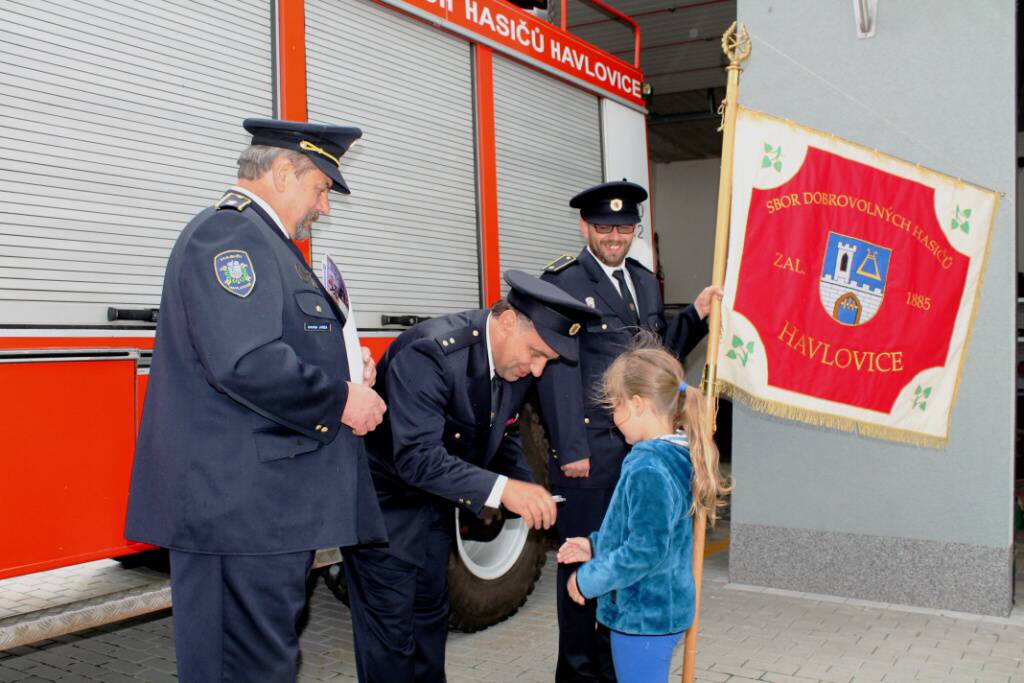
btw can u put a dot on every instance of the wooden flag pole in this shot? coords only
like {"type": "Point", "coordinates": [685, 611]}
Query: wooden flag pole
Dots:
{"type": "Point", "coordinates": [736, 45]}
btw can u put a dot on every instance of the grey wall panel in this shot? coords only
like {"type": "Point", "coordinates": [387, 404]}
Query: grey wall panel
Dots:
{"type": "Point", "coordinates": [808, 65]}
{"type": "Point", "coordinates": [118, 121]}
{"type": "Point", "coordinates": [406, 239]}
{"type": "Point", "coordinates": [548, 148]}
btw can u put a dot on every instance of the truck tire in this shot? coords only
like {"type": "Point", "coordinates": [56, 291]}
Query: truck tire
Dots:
{"type": "Point", "coordinates": [495, 563]}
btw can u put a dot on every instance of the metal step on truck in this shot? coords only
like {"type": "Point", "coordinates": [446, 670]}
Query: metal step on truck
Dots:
{"type": "Point", "coordinates": [119, 120]}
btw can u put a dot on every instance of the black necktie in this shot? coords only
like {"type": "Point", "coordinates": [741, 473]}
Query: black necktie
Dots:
{"type": "Point", "coordinates": [496, 386]}
{"type": "Point", "coordinates": [620, 276]}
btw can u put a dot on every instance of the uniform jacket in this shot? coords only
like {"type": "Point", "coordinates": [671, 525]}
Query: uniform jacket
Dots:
{"type": "Point", "coordinates": [578, 426]}
{"type": "Point", "coordinates": [642, 571]}
{"type": "Point", "coordinates": [438, 445]}
{"type": "Point", "coordinates": [241, 449]}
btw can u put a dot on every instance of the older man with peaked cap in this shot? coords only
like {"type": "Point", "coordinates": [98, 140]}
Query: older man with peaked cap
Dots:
{"type": "Point", "coordinates": [249, 456]}
{"type": "Point", "coordinates": [454, 386]}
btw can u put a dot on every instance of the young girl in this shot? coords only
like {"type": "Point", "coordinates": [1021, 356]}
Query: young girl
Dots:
{"type": "Point", "coordinates": [639, 564]}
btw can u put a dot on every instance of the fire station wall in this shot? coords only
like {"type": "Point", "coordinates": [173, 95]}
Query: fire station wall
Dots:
{"type": "Point", "coordinates": [826, 512]}
{"type": "Point", "coordinates": [685, 198]}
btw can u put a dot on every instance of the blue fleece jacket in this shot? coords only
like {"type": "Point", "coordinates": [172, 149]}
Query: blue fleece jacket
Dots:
{"type": "Point", "coordinates": [642, 569]}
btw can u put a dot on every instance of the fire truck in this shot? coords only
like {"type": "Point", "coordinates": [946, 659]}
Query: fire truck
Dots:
{"type": "Point", "coordinates": [119, 120]}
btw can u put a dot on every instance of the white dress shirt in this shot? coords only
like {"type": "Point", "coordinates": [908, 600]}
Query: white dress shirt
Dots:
{"type": "Point", "coordinates": [493, 500]}
{"type": "Point", "coordinates": [609, 270]}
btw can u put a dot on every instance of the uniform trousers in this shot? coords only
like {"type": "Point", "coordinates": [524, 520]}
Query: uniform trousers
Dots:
{"type": "Point", "coordinates": [400, 610]}
{"type": "Point", "coordinates": [584, 648]}
{"type": "Point", "coordinates": [235, 615]}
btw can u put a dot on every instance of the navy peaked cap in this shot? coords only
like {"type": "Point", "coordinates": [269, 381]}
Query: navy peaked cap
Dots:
{"type": "Point", "coordinates": [614, 203]}
{"type": "Point", "coordinates": [324, 144]}
{"type": "Point", "coordinates": [557, 316]}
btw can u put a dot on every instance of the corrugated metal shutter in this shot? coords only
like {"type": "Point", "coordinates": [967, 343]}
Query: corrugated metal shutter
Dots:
{"type": "Point", "coordinates": [548, 140]}
{"type": "Point", "coordinates": [118, 121]}
{"type": "Point", "coordinates": [406, 238]}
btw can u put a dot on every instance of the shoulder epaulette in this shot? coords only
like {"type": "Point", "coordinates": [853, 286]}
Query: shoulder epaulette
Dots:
{"type": "Point", "coordinates": [460, 338]}
{"type": "Point", "coordinates": [560, 263]}
{"type": "Point", "coordinates": [233, 200]}
{"type": "Point", "coordinates": [638, 263]}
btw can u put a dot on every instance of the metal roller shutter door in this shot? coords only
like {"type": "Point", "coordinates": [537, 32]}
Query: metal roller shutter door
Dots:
{"type": "Point", "coordinates": [542, 162]}
{"type": "Point", "coordinates": [406, 239]}
{"type": "Point", "coordinates": [118, 121]}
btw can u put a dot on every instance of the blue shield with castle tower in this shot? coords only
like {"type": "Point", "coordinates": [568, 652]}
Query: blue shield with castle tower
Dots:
{"type": "Point", "coordinates": [853, 279]}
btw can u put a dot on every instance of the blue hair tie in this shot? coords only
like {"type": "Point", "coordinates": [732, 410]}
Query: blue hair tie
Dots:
{"type": "Point", "coordinates": [682, 387]}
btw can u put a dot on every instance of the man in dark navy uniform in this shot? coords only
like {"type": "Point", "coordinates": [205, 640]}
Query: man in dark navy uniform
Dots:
{"type": "Point", "coordinates": [249, 456]}
{"type": "Point", "coordinates": [586, 449]}
{"type": "Point", "coordinates": [454, 386]}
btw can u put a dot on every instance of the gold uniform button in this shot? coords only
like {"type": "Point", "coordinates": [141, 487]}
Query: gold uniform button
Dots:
{"type": "Point", "coordinates": [476, 333]}
{"type": "Point", "coordinates": [469, 502]}
{"type": "Point", "coordinates": [444, 343]}
{"type": "Point", "coordinates": [451, 340]}
{"type": "Point", "coordinates": [461, 502]}
{"type": "Point", "coordinates": [318, 427]}
{"type": "Point", "coordinates": [318, 308]}
{"type": "Point", "coordinates": [458, 435]}
{"type": "Point", "coordinates": [586, 420]}
{"type": "Point", "coordinates": [604, 326]}
{"type": "Point", "coordinates": [323, 429]}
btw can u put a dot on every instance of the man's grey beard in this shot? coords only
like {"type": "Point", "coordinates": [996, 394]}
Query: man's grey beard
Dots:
{"type": "Point", "coordinates": [304, 228]}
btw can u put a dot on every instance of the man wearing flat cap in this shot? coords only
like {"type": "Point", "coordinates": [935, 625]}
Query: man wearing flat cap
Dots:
{"type": "Point", "coordinates": [454, 386]}
{"type": "Point", "coordinates": [249, 455]}
{"type": "Point", "coordinates": [586, 448]}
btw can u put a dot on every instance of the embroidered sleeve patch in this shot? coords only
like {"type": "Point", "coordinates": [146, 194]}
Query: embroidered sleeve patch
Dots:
{"type": "Point", "coordinates": [235, 272]}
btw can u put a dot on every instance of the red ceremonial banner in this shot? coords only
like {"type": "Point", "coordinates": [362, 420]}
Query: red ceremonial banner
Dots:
{"type": "Point", "coordinates": [851, 283]}
{"type": "Point", "coordinates": [836, 225]}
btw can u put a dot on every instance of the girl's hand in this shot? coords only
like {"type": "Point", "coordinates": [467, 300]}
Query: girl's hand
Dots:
{"type": "Point", "coordinates": [574, 590]}
{"type": "Point", "coordinates": [575, 550]}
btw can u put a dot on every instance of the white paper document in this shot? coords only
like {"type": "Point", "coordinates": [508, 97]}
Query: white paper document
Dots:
{"type": "Point", "coordinates": [335, 286]}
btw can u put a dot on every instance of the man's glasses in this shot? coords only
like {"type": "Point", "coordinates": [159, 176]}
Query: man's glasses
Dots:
{"type": "Point", "coordinates": [621, 229]}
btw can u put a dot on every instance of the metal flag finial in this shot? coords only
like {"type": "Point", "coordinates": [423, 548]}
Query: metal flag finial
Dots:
{"type": "Point", "coordinates": [736, 44]}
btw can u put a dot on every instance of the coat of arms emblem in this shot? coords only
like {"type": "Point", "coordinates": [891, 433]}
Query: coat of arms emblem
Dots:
{"type": "Point", "coordinates": [234, 272]}
{"type": "Point", "coordinates": [853, 279]}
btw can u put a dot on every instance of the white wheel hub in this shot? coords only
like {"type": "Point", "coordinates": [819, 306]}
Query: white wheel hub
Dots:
{"type": "Point", "coordinates": [492, 559]}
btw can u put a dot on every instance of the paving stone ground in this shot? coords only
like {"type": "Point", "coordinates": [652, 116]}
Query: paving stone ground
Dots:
{"type": "Point", "coordinates": [747, 634]}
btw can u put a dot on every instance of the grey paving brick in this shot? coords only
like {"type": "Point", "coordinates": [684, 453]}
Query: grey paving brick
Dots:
{"type": "Point", "coordinates": [45, 671]}
{"type": "Point", "coordinates": [710, 676]}
{"type": "Point", "coordinates": [782, 678]}
{"type": "Point", "coordinates": [991, 677]}
{"type": "Point", "coordinates": [154, 676]}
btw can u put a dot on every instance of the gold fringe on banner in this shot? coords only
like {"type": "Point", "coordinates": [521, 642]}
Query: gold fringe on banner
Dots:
{"type": "Point", "coordinates": [828, 420]}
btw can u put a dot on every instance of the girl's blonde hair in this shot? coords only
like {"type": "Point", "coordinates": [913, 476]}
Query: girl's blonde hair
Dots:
{"type": "Point", "coordinates": [648, 370]}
